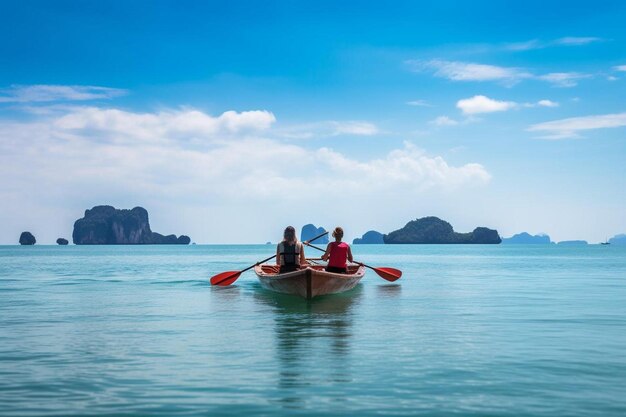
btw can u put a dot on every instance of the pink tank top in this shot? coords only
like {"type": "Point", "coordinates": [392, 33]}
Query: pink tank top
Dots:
{"type": "Point", "coordinates": [338, 254]}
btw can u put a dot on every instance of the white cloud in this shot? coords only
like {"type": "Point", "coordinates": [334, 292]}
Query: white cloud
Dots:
{"type": "Point", "coordinates": [444, 121]}
{"type": "Point", "coordinates": [542, 103]}
{"type": "Point", "coordinates": [329, 128]}
{"type": "Point", "coordinates": [509, 76]}
{"type": "Point", "coordinates": [468, 71]}
{"type": "Point", "coordinates": [482, 104]}
{"type": "Point", "coordinates": [563, 79]}
{"type": "Point", "coordinates": [354, 128]}
{"type": "Point", "coordinates": [123, 125]}
{"type": "Point", "coordinates": [538, 44]}
{"type": "Point", "coordinates": [525, 46]}
{"type": "Point", "coordinates": [576, 41]}
{"type": "Point", "coordinates": [569, 128]}
{"type": "Point", "coordinates": [547, 103]}
{"type": "Point", "coordinates": [419, 103]}
{"type": "Point", "coordinates": [46, 93]}
{"type": "Point", "coordinates": [620, 68]}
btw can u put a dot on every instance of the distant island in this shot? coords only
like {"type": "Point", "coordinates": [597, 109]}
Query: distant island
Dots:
{"type": "Point", "coordinates": [370, 238]}
{"type": "Point", "coordinates": [618, 239]}
{"type": "Point", "coordinates": [433, 230]}
{"type": "Point", "coordinates": [106, 225]}
{"type": "Point", "coordinates": [62, 241]}
{"type": "Point", "coordinates": [527, 239]}
{"type": "Point", "coordinates": [572, 242]}
{"type": "Point", "coordinates": [27, 238]}
{"type": "Point", "coordinates": [309, 231]}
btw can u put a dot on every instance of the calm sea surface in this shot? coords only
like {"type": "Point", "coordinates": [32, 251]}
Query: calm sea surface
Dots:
{"type": "Point", "coordinates": [469, 330]}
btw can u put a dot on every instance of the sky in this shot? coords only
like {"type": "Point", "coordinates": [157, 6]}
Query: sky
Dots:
{"type": "Point", "coordinates": [230, 120]}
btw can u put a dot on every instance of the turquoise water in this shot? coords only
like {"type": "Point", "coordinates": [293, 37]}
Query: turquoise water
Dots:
{"type": "Point", "coordinates": [468, 330]}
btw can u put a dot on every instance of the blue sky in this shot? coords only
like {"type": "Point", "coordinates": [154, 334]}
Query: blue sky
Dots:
{"type": "Point", "coordinates": [229, 120]}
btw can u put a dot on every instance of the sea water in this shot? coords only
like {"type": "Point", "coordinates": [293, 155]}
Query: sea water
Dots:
{"type": "Point", "coordinates": [501, 330]}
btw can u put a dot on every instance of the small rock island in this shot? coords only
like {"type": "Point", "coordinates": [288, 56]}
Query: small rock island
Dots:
{"type": "Point", "coordinates": [106, 225]}
{"type": "Point", "coordinates": [62, 241]}
{"type": "Point", "coordinates": [27, 238]}
{"type": "Point", "coordinates": [369, 238]}
{"type": "Point", "coordinates": [433, 230]}
{"type": "Point", "coordinates": [309, 231]}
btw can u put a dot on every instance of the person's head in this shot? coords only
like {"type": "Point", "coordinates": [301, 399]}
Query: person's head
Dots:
{"type": "Point", "coordinates": [338, 233]}
{"type": "Point", "coordinates": [290, 234]}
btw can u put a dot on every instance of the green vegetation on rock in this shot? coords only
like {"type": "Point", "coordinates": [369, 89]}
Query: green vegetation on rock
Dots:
{"type": "Point", "coordinates": [433, 230]}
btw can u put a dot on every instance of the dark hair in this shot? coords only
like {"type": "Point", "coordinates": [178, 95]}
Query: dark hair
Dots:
{"type": "Point", "coordinates": [290, 234]}
{"type": "Point", "coordinates": [338, 232]}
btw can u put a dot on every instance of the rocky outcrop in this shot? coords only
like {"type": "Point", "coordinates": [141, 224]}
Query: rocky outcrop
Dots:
{"type": "Point", "coordinates": [183, 240]}
{"type": "Point", "coordinates": [106, 225]}
{"type": "Point", "coordinates": [433, 230]}
{"type": "Point", "coordinates": [309, 231]}
{"type": "Point", "coordinates": [527, 239]}
{"type": "Point", "coordinates": [27, 238]}
{"type": "Point", "coordinates": [372, 237]}
{"type": "Point", "coordinates": [62, 241]}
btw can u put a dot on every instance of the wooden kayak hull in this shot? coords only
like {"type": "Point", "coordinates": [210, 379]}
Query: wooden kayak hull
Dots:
{"type": "Point", "coordinates": [309, 282]}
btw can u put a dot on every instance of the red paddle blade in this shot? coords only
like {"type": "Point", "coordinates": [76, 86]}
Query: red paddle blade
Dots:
{"type": "Point", "coordinates": [390, 274]}
{"type": "Point", "coordinates": [224, 279]}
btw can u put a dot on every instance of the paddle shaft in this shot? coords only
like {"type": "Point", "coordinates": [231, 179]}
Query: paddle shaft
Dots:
{"type": "Point", "coordinates": [260, 262]}
{"type": "Point", "coordinates": [360, 263]}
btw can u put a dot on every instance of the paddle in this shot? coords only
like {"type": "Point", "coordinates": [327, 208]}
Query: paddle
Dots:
{"type": "Point", "coordinates": [224, 279]}
{"type": "Point", "coordinates": [390, 274]}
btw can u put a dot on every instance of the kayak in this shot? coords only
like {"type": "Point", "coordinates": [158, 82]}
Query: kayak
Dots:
{"type": "Point", "coordinates": [308, 282]}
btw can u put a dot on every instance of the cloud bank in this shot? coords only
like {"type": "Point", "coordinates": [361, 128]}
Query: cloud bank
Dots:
{"type": "Point", "coordinates": [228, 165]}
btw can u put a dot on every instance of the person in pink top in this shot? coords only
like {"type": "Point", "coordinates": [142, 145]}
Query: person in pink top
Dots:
{"type": "Point", "coordinates": [337, 253]}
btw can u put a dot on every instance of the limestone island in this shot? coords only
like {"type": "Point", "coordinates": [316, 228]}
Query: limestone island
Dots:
{"type": "Point", "coordinates": [106, 225]}
{"type": "Point", "coordinates": [309, 231]}
{"type": "Point", "coordinates": [27, 238]}
{"type": "Point", "coordinates": [433, 230]}
{"type": "Point", "coordinates": [369, 238]}
{"type": "Point", "coordinates": [62, 241]}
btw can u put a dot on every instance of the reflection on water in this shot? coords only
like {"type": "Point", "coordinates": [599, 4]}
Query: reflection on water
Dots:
{"type": "Point", "coordinates": [311, 336]}
{"type": "Point", "coordinates": [389, 290]}
{"type": "Point", "coordinates": [227, 294]}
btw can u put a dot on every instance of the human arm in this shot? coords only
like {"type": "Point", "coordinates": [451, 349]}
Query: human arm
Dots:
{"type": "Point", "coordinates": [278, 255]}
{"type": "Point", "coordinates": [302, 257]}
{"type": "Point", "coordinates": [350, 254]}
{"type": "Point", "coordinates": [326, 254]}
